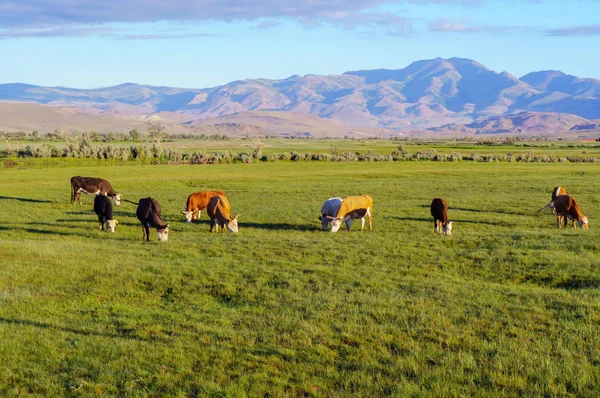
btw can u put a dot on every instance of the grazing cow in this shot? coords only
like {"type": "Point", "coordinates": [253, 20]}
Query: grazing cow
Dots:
{"type": "Point", "coordinates": [439, 211]}
{"type": "Point", "coordinates": [148, 212]}
{"type": "Point", "coordinates": [197, 202]}
{"type": "Point", "coordinates": [103, 209]}
{"type": "Point", "coordinates": [329, 209]}
{"type": "Point", "coordinates": [566, 208]}
{"type": "Point", "coordinates": [92, 186]}
{"type": "Point", "coordinates": [557, 191]}
{"type": "Point", "coordinates": [218, 210]}
{"type": "Point", "coordinates": [353, 207]}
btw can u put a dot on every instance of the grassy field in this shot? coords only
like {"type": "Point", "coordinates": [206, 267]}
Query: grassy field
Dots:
{"type": "Point", "coordinates": [507, 306]}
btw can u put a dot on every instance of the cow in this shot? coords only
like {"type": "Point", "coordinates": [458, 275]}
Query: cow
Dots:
{"type": "Point", "coordinates": [566, 208]}
{"type": "Point", "coordinates": [92, 186]}
{"type": "Point", "coordinates": [439, 211]}
{"type": "Point", "coordinates": [218, 210]}
{"type": "Point", "coordinates": [148, 212]}
{"type": "Point", "coordinates": [103, 209]}
{"type": "Point", "coordinates": [351, 208]}
{"type": "Point", "coordinates": [197, 202]}
{"type": "Point", "coordinates": [557, 191]}
{"type": "Point", "coordinates": [329, 209]}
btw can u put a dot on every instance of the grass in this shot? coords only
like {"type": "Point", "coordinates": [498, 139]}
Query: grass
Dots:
{"type": "Point", "coordinates": [507, 306]}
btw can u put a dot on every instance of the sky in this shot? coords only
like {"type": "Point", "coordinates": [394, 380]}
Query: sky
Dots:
{"type": "Point", "coordinates": [205, 43]}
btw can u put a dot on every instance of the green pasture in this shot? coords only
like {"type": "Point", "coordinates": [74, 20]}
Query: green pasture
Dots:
{"type": "Point", "coordinates": [508, 305]}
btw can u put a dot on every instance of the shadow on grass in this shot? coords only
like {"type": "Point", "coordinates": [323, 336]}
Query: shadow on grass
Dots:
{"type": "Point", "coordinates": [27, 200]}
{"type": "Point", "coordinates": [514, 213]}
{"type": "Point", "coordinates": [125, 335]}
{"type": "Point", "coordinates": [277, 226]}
{"type": "Point", "coordinates": [457, 221]}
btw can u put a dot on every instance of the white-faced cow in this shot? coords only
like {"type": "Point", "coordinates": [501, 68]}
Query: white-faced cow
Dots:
{"type": "Point", "coordinates": [557, 191]}
{"type": "Point", "coordinates": [219, 211]}
{"type": "Point", "coordinates": [329, 209]}
{"type": "Point", "coordinates": [103, 209]}
{"type": "Point", "coordinates": [439, 211]}
{"type": "Point", "coordinates": [351, 208]}
{"type": "Point", "coordinates": [567, 208]}
{"type": "Point", "coordinates": [92, 186]}
{"type": "Point", "coordinates": [148, 212]}
{"type": "Point", "coordinates": [197, 202]}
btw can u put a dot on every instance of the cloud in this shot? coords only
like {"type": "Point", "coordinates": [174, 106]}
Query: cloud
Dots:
{"type": "Point", "coordinates": [463, 26]}
{"type": "Point", "coordinates": [584, 30]}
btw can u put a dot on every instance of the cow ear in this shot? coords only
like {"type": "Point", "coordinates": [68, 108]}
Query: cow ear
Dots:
{"type": "Point", "coordinates": [183, 212]}
{"type": "Point", "coordinates": [116, 222]}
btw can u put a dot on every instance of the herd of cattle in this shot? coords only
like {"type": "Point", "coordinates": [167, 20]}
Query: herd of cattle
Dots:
{"type": "Point", "coordinates": [333, 212]}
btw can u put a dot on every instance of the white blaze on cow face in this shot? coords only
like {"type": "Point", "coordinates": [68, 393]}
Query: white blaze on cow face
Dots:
{"type": "Point", "coordinates": [163, 234]}
{"type": "Point", "coordinates": [117, 199]}
{"type": "Point", "coordinates": [583, 223]}
{"type": "Point", "coordinates": [189, 216]}
{"type": "Point", "coordinates": [447, 228]}
{"type": "Point", "coordinates": [232, 225]}
{"type": "Point", "coordinates": [336, 223]}
{"type": "Point", "coordinates": [110, 225]}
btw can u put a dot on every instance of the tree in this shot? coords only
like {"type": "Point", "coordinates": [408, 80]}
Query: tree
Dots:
{"type": "Point", "coordinates": [156, 132]}
{"type": "Point", "coordinates": [135, 135]}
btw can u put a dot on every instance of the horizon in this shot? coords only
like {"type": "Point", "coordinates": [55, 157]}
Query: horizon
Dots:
{"type": "Point", "coordinates": [204, 44]}
{"type": "Point", "coordinates": [290, 76]}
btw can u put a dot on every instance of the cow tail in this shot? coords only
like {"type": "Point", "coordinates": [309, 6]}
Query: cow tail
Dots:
{"type": "Point", "coordinates": [129, 201]}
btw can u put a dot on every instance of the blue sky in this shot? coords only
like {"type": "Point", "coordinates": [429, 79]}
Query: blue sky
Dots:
{"type": "Point", "coordinates": [204, 43]}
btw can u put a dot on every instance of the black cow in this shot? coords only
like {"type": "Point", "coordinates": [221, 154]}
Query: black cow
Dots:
{"type": "Point", "coordinates": [103, 209]}
{"type": "Point", "coordinates": [92, 186]}
{"type": "Point", "coordinates": [148, 212]}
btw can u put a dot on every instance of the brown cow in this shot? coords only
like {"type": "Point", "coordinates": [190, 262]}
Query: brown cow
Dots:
{"type": "Point", "coordinates": [566, 208]}
{"type": "Point", "coordinates": [219, 211]}
{"type": "Point", "coordinates": [557, 191]}
{"type": "Point", "coordinates": [439, 211]}
{"type": "Point", "coordinates": [353, 207]}
{"type": "Point", "coordinates": [197, 202]}
{"type": "Point", "coordinates": [92, 186]}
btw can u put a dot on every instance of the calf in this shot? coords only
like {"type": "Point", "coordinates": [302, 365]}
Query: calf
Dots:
{"type": "Point", "coordinates": [197, 202]}
{"type": "Point", "coordinates": [103, 209]}
{"type": "Point", "coordinates": [439, 211]}
{"type": "Point", "coordinates": [566, 208]}
{"type": "Point", "coordinates": [92, 186]}
{"type": "Point", "coordinates": [329, 209]}
{"type": "Point", "coordinates": [353, 207]}
{"type": "Point", "coordinates": [148, 212]}
{"type": "Point", "coordinates": [219, 211]}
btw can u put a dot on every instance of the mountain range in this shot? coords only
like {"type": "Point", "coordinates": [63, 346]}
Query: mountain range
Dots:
{"type": "Point", "coordinates": [425, 95]}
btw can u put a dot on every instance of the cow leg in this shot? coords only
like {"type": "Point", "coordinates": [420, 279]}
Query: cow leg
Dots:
{"type": "Point", "coordinates": [370, 213]}
{"type": "Point", "coordinates": [198, 215]}
{"type": "Point", "coordinates": [362, 224]}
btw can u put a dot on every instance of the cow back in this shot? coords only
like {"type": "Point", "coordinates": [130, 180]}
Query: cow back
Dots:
{"type": "Point", "coordinates": [103, 207]}
{"type": "Point", "coordinates": [218, 208]}
{"type": "Point", "coordinates": [439, 210]}
{"type": "Point", "coordinates": [199, 200]}
{"type": "Point", "coordinates": [148, 211]}
{"type": "Point", "coordinates": [353, 203]}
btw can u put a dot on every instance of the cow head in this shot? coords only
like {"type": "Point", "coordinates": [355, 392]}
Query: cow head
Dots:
{"type": "Point", "coordinates": [189, 216]}
{"type": "Point", "coordinates": [232, 224]}
{"type": "Point", "coordinates": [583, 223]}
{"type": "Point", "coordinates": [336, 223]}
{"type": "Point", "coordinates": [163, 233]}
{"type": "Point", "coordinates": [117, 199]}
{"type": "Point", "coordinates": [447, 228]}
{"type": "Point", "coordinates": [110, 225]}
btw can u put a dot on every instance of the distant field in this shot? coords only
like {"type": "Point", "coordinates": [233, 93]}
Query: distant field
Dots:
{"type": "Point", "coordinates": [383, 147]}
{"type": "Point", "coordinates": [507, 306]}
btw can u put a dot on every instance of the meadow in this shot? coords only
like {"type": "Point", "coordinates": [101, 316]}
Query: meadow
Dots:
{"type": "Point", "coordinates": [508, 305]}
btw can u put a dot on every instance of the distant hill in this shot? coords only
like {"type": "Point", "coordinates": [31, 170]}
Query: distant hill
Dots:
{"type": "Point", "coordinates": [425, 94]}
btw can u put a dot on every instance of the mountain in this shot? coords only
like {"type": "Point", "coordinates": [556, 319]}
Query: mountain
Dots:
{"type": "Point", "coordinates": [425, 94]}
